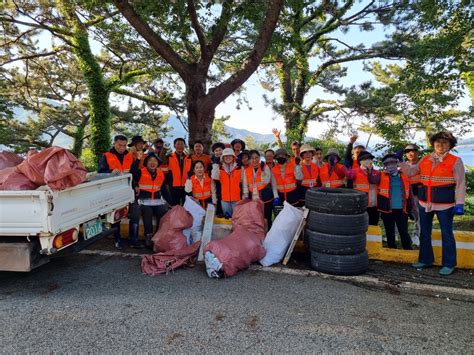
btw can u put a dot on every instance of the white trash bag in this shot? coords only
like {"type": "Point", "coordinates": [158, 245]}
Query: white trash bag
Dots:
{"type": "Point", "coordinates": [194, 233]}
{"type": "Point", "coordinates": [279, 238]}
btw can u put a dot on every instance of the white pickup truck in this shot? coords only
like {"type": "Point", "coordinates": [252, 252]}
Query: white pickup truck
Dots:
{"type": "Point", "coordinates": [38, 224]}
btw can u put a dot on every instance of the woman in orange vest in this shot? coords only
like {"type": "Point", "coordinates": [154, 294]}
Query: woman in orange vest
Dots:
{"type": "Point", "coordinates": [231, 178]}
{"type": "Point", "coordinates": [286, 176]}
{"type": "Point", "coordinates": [261, 185]}
{"type": "Point", "coordinates": [179, 164]}
{"type": "Point", "coordinates": [309, 169]}
{"type": "Point", "coordinates": [443, 193]}
{"type": "Point", "coordinates": [332, 174]}
{"type": "Point", "coordinates": [147, 182]}
{"type": "Point", "coordinates": [393, 201]}
{"type": "Point", "coordinates": [365, 179]}
{"type": "Point", "coordinates": [200, 186]}
{"type": "Point", "coordinates": [351, 155]}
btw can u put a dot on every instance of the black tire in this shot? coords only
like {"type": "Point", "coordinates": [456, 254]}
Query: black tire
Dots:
{"type": "Point", "coordinates": [336, 244]}
{"type": "Point", "coordinates": [336, 201]}
{"type": "Point", "coordinates": [340, 264]}
{"type": "Point", "coordinates": [338, 224]}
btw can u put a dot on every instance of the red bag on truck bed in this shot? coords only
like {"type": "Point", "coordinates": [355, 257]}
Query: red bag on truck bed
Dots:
{"type": "Point", "coordinates": [55, 166]}
{"type": "Point", "coordinates": [11, 179]}
{"type": "Point", "coordinates": [170, 233]}
{"type": "Point", "coordinates": [9, 159]}
{"type": "Point", "coordinates": [244, 245]}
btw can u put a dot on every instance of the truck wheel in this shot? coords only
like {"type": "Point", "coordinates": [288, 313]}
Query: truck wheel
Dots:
{"type": "Point", "coordinates": [338, 224]}
{"type": "Point", "coordinates": [337, 201]}
{"type": "Point", "coordinates": [340, 264]}
{"type": "Point", "coordinates": [336, 244]}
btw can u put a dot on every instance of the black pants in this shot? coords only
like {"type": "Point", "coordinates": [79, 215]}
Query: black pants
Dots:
{"type": "Point", "coordinates": [292, 197]}
{"type": "Point", "coordinates": [374, 216]}
{"type": "Point", "coordinates": [268, 213]}
{"type": "Point", "coordinates": [178, 196]}
{"type": "Point", "coordinates": [398, 217]}
{"type": "Point", "coordinates": [148, 212]}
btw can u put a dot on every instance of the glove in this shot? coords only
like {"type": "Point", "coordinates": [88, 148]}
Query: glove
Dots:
{"type": "Point", "coordinates": [190, 173]}
{"type": "Point", "coordinates": [276, 201]}
{"type": "Point", "coordinates": [215, 160]}
{"type": "Point", "coordinates": [458, 210]}
{"type": "Point", "coordinates": [297, 160]}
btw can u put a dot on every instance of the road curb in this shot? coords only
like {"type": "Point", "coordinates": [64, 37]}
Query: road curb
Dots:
{"type": "Point", "coordinates": [430, 290]}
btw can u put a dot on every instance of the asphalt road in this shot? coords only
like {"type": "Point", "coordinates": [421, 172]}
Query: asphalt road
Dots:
{"type": "Point", "coordinates": [94, 303]}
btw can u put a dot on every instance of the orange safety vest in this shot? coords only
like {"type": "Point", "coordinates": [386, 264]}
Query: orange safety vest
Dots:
{"type": "Point", "coordinates": [361, 183]}
{"type": "Point", "coordinates": [439, 185]}
{"type": "Point", "coordinates": [355, 164]}
{"type": "Point", "coordinates": [179, 177]}
{"type": "Point", "coordinates": [332, 181]}
{"type": "Point", "coordinates": [230, 185]}
{"type": "Point", "coordinates": [288, 182]}
{"type": "Point", "coordinates": [201, 192]}
{"type": "Point", "coordinates": [258, 179]}
{"type": "Point", "coordinates": [114, 163]}
{"type": "Point", "coordinates": [147, 183]}
{"type": "Point", "coordinates": [383, 192]}
{"type": "Point", "coordinates": [309, 178]}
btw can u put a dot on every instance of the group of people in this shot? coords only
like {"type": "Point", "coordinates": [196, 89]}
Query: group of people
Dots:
{"type": "Point", "coordinates": [417, 188]}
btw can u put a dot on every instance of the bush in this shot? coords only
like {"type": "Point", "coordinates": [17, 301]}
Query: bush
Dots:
{"type": "Point", "coordinates": [88, 159]}
{"type": "Point", "coordinates": [469, 205]}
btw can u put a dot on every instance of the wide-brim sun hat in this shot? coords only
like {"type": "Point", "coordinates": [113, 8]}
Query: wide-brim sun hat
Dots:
{"type": "Point", "coordinates": [217, 145]}
{"type": "Point", "coordinates": [364, 155]}
{"type": "Point", "coordinates": [332, 151]}
{"type": "Point", "coordinates": [307, 148]}
{"type": "Point", "coordinates": [390, 157]}
{"type": "Point", "coordinates": [410, 147]}
{"type": "Point", "coordinates": [228, 152]}
{"type": "Point", "coordinates": [235, 141]}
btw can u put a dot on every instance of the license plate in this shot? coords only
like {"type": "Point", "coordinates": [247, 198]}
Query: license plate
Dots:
{"type": "Point", "coordinates": [92, 228]}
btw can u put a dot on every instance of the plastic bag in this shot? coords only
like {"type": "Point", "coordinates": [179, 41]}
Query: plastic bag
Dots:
{"type": "Point", "coordinates": [281, 234]}
{"type": "Point", "coordinates": [55, 166]}
{"type": "Point", "coordinates": [249, 214]}
{"type": "Point", "coordinates": [198, 214]}
{"type": "Point", "coordinates": [9, 160]}
{"type": "Point", "coordinates": [11, 179]}
{"type": "Point", "coordinates": [170, 233]}
{"type": "Point", "coordinates": [161, 263]}
{"type": "Point", "coordinates": [213, 266]}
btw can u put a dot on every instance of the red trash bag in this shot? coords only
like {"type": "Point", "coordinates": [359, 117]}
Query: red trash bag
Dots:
{"type": "Point", "coordinates": [55, 166]}
{"type": "Point", "coordinates": [249, 214]}
{"type": "Point", "coordinates": [11, 179]}
{"type": "Point", "coordinates": [161, 263]}
{"type": "Point", "coordinates": [170, 233]}
{"type": "Point", "coordinates": [9, 159]}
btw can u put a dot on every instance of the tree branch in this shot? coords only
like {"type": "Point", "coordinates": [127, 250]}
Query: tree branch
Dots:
{"type": "Point", "coordinates": [99, 19]}
{"type": "Point", "coordinates": [205, 54]}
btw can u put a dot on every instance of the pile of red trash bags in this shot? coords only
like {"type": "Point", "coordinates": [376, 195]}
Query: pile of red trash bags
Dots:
{"type": "Point", "coordinates": [170, 246]}
{"type": "Point", "coordinates": [55, 167]}
{"type": "Point", "coordinates": [243, 246]}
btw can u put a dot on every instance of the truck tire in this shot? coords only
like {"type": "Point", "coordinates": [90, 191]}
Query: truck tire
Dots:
{"type": "Point", "coordinates": [336, 244]}
{"type": "Point", "coordinates": [340, 264]}
{"type": "Point", "coordinates": [338, 224]}
{"type": "Point", "coordinates": [337, 201]}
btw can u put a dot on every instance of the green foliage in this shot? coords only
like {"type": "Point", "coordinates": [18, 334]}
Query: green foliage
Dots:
{"type": "Point", "coordinates": [89, 160]}
{"type": "Point", "coordinates": [218, 129]}
{"type": "Point", "coordinates": [327, 143]}
{"type": "Point", "coordinates": [469, 205]}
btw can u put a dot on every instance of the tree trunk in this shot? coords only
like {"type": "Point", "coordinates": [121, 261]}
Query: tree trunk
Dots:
{"type": "Point", "coordinates": [78, 141]}
{"type": "Point", "coordinates": [200, 116]}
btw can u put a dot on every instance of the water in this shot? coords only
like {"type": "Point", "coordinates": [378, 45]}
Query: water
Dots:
{"type": "Point", "coordinates": [466, 153]}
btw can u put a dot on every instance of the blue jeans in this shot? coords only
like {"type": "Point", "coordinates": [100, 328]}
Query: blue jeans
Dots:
{"type": "Point", "coordinates": [445, 219]}
{"type": "Point", "coordinates": [228, 207]}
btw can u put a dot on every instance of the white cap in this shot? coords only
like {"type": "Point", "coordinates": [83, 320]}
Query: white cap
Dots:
{"type": "Point", "coordinates": [227, 152]}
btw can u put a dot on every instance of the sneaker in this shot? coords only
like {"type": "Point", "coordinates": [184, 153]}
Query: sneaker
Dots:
{"type": "Point", "coordinates": [118, 246]}
{"type": "Point", "coordinates": [136, 245]}
{"type": "Point", "coordinates": [446, 271]}
{"type": "Point", "coordinates": [419, 265]}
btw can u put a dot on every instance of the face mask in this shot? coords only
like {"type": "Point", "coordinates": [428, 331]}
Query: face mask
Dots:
{"type": "Point", "coordinates": [333, 159]}
{"type": "Point", "coordinates": [366, 163]}
{"type": "Point", "coordinates": [281, 160]}
{"type": "Point", "coordinates": [392, 169]}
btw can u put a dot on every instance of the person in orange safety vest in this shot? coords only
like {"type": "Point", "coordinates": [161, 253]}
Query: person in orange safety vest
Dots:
{"type": "Point", "coordinates": [287, 175]}
{"type": "Point", "coordinates": [200, 186]}
{"type": "Point", "coordinates": [309, 169]}
{"type": "Point", "coordinates": [179, 165]}
{"type": "Point", "coordinates": [332, 174]}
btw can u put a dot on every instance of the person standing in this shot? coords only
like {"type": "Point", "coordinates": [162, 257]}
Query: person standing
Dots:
{"type": "Point", "coordinates": [179, 165]}
{"type": "Point", "coordinates": [287, 175]}
{"type": "Point", "coordinates": [318, 157]}
{"type": "Point", "coordinates": [270, 158]}
{"type": "Point", "coordinates": [200, 155]}
{"type": "Point", "coordinates": [200, 186]}
{"type": "Point", "coordinates": [231, 178]}
{"type": "Point", "coordinates": [443, 193]}
{"type": "Point", "coordinates": [412, 155]}
{"type": "Point", "coordinates": [217, 149]}
{"type": "Point", "coordinates": [393, 201]}
{"type": "Point", "coordinates": [309, 169]}
{"type": "Point", "coordinates": [332, 174]}
{"type": "Point", "coordinates": [261, 185]}
{"type": "Point", "coordinates": [351, 155]}
{"type": "Point", "coordinates": [116, 161]}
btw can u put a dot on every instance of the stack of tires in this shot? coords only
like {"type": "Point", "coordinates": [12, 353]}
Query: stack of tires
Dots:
{"type": "Point", "coordinates": [336, 230]}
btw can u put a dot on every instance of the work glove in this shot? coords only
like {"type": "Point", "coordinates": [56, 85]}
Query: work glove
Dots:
{"type": "Point", "coordinates": [276, 201]}
{"type": "Point", "coordinates": [458, 210]}
{"type": "Point", "coordinates": [215, 160]}
{"type": "Point", "coordinates": [297, 160]}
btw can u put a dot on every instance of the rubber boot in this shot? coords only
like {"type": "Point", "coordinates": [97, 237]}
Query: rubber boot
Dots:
{"type": "Point", "coordinates": [148, 242]}
{"type": "Point", "coordinates": [133, 234]}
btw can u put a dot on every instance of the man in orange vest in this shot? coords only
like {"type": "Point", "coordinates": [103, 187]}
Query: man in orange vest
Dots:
{"type": "Point", "coordinates": [287, 174]}
{"type": "Point", "coordinates": [179, 165]}
{"type": "Point", "coordinates": [116, 161]}
{"type": "Point", "coordinates": [160, 148]}
{"type": "Point", "coordinates": [393, 201]}
{"type": "Point", "coordinates": [332, 174]}
{"type": "Point", "coordinates": [318, 157]}
{"type": "Point", "coordinates": [231, 177]}
{"type": "Point", "coordinates": [412, 155]}
{"type": "Point", "coordinates": [200, 155]}
{"type": "Point", "coordinates": [443, 193]}
{"type": "Point", "coordinates": [148, 182]}
{"type": "Point", "coordinates": [309, 169]}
